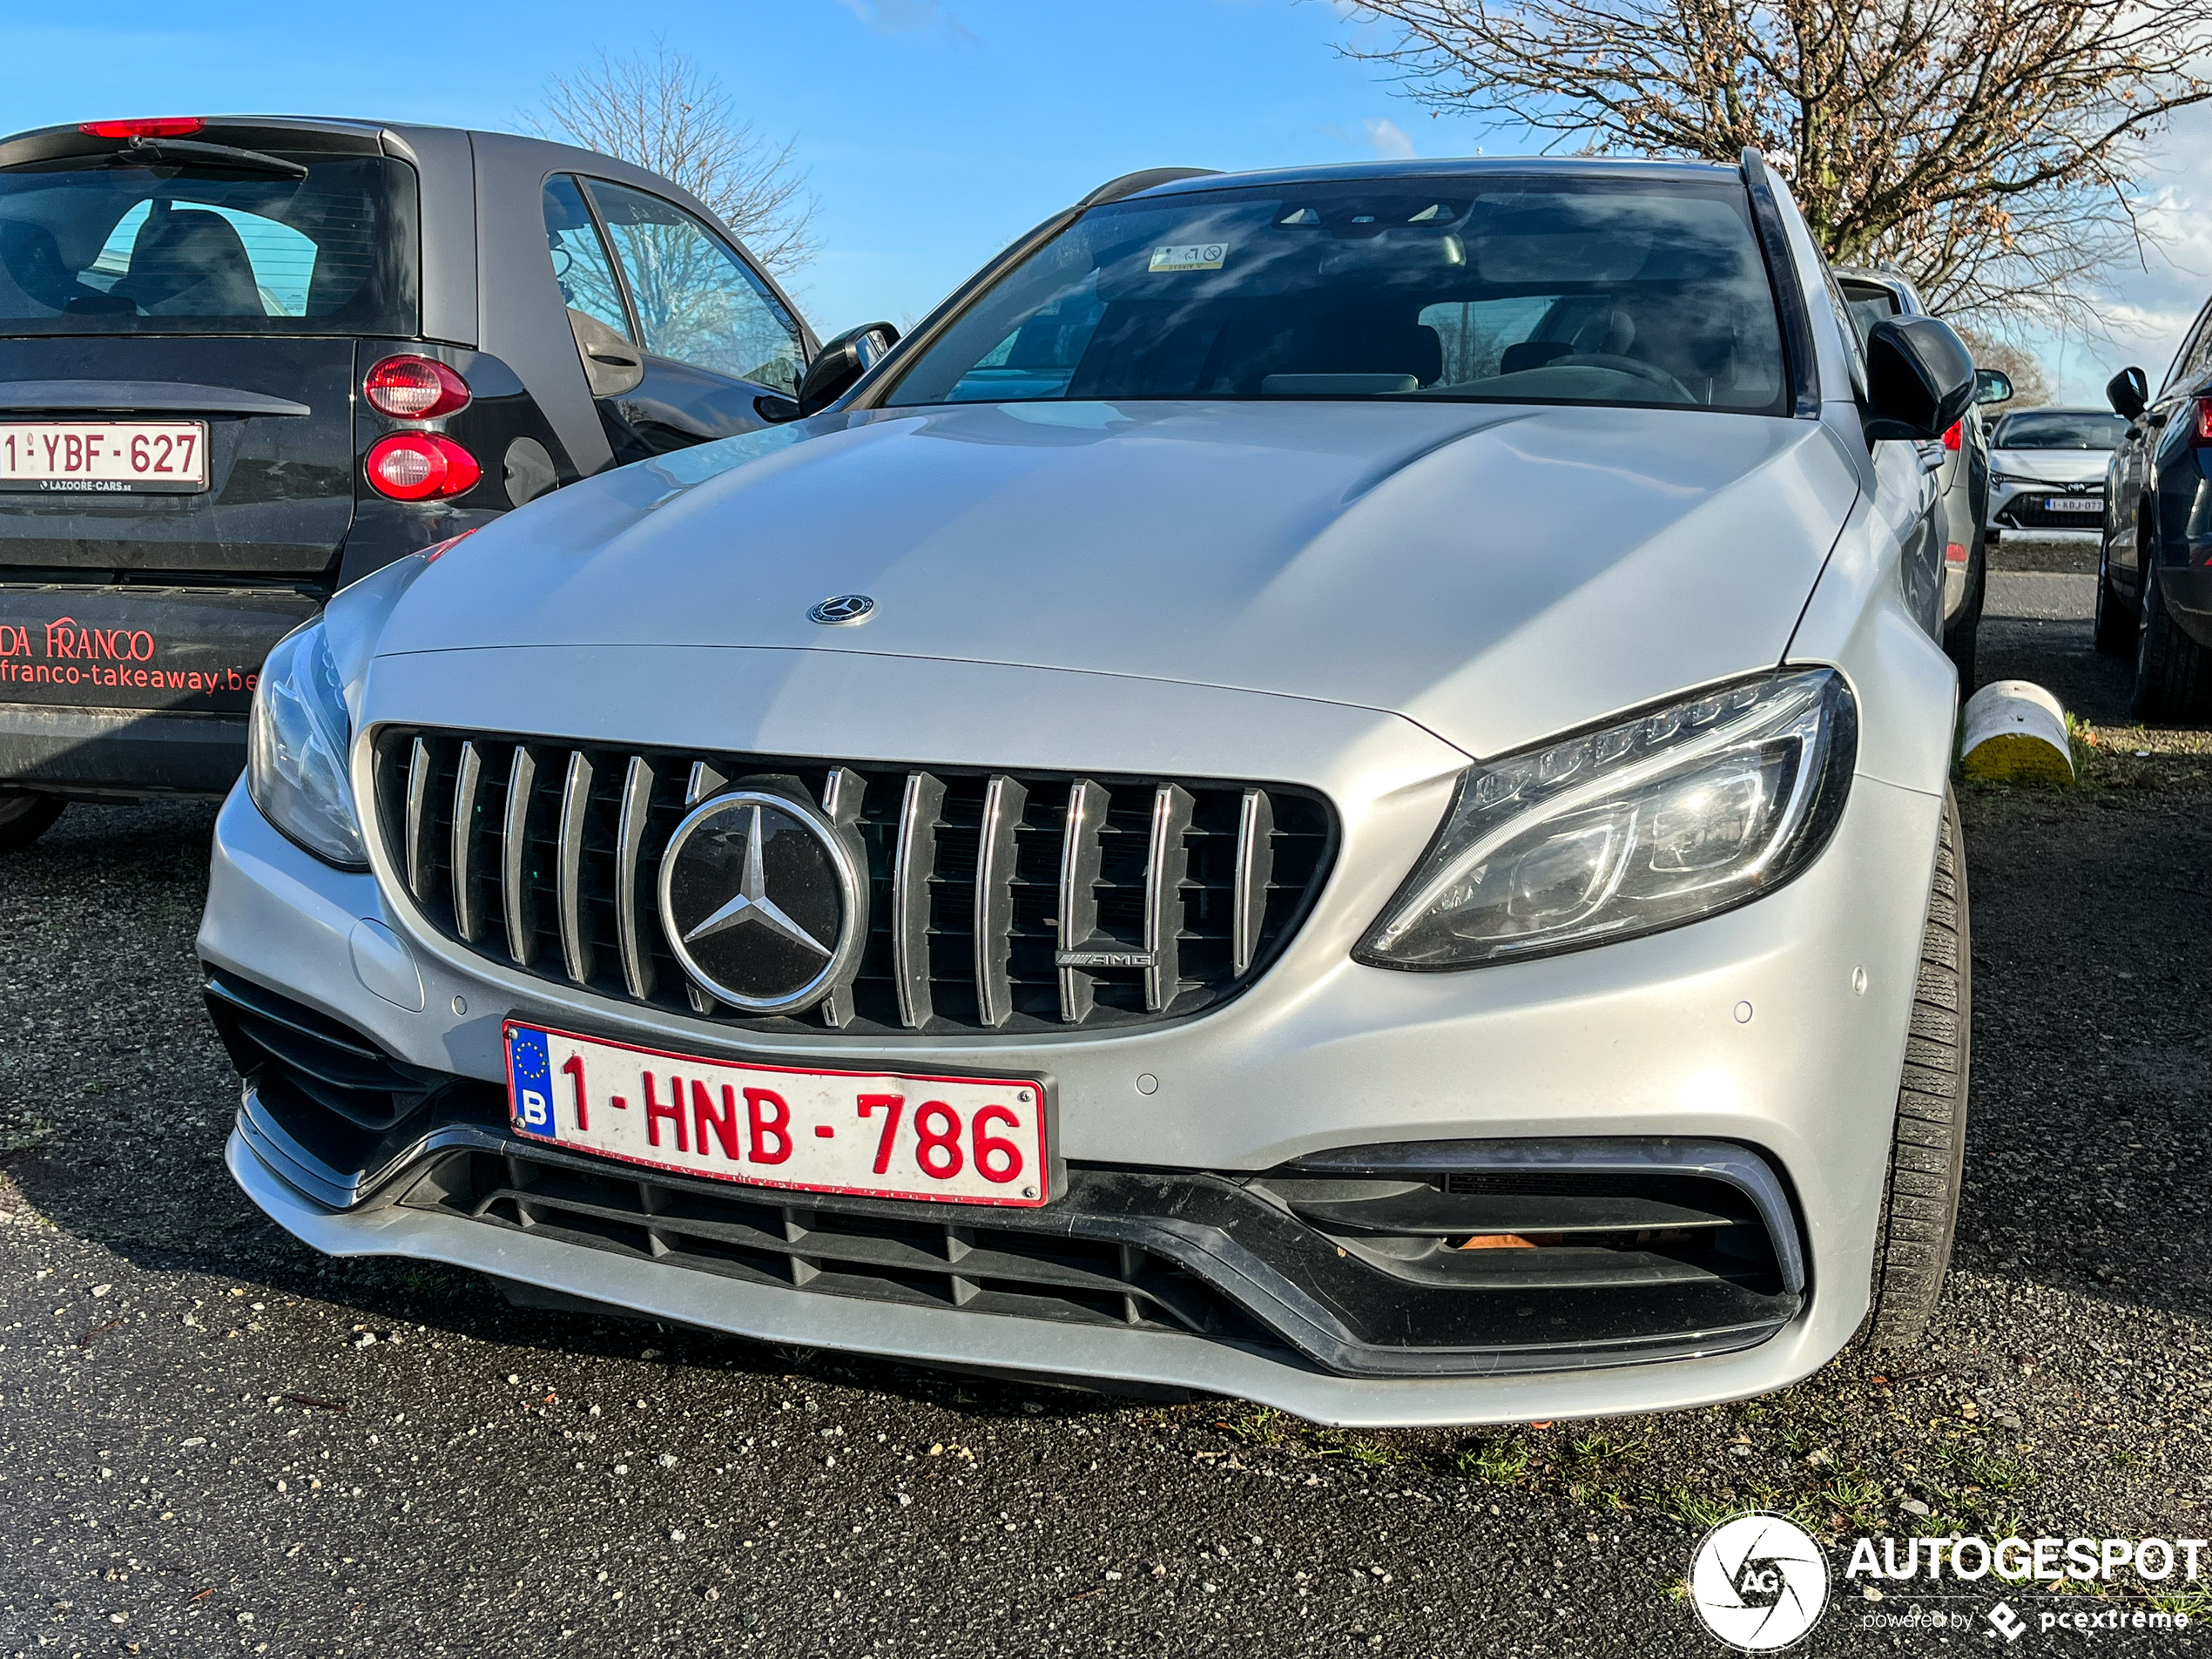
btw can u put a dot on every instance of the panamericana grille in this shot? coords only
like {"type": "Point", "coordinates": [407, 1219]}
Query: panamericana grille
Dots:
{"type": "Point", "coordinates": [1171, 893]}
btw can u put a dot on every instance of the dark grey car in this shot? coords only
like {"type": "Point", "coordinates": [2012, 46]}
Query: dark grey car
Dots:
{"type": "Point", "coordinates": [246, 360]}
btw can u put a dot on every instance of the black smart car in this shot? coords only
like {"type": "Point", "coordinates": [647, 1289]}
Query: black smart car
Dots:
{"type": "Point", "coordinates": [245, 361]}
{"type": "Point", "coordinates": [2153, 586]}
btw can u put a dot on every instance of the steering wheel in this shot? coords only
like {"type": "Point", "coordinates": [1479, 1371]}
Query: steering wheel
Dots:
{"type": "Point", "coordinates": [1634, 368]}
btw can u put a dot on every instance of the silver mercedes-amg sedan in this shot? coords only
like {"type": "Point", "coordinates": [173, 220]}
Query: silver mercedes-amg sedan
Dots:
{"type": "Point", "coordinates": [1328, 786]}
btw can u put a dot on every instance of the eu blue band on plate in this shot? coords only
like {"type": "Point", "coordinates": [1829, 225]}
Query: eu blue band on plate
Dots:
{"type": "Point", "coordinates": [529, 1071]}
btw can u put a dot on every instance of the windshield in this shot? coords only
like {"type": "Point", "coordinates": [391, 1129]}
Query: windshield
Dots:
{"type": "Point", "coordinates": [2059, 429]}
{"type": "Point", "coordinates": [89, 247]}
{"type": "Point", "coordinates": [1492, 289]}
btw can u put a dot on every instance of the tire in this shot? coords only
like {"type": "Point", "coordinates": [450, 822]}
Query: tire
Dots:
{"type": "Point", "coordinates": [1960, 638]}
{"type": "Point", "coordinates": [2115, 631]}
{"type": "Point", "coordinates": [2173, 672]}
{"type": "Point", "coordinates": [1928, 1145]}
{"type": "Point", "coordinates": [24, 819]}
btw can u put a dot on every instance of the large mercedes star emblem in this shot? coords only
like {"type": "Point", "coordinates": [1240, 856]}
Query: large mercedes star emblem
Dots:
{"type": "Point", "coordinates": [762, 903]}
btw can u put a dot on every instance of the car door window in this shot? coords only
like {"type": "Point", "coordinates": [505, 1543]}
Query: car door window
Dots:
{"type": "Point", "coordinates": [581, 263]}
{"type": "Point", "coordinates": [697, 301]}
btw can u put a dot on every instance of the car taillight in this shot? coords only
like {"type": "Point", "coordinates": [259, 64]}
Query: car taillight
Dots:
{"type": "Point", "coordinates": [2202, 438]}
{"type": "Point", "coordinates": [1954, 553]}
{"type": "Point", "coordinates": [1951, 439]}
{"type": "Point", "coordinates": [415, 466]}
{"type": "Point", "coordinates": [159, 126]}
{"type": "Point", "coordinates": [415, 388]}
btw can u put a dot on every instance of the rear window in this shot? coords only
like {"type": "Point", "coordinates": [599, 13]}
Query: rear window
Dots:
{"type": "Point", "coordinates": [1869, 304]}
{"type": "Point", "coordinates": [88, 247]}
{"type": "Point", "coordinates": [1489, 288]}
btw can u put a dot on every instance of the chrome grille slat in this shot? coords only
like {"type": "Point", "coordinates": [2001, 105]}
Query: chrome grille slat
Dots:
{"type": "Point", "coordinates": [841, 797]}
{"type": "Point", "coordinates": [702, 781]}
{"type": "Point", "coordinates": [999, 902]}
{"type": "Point", "coordinates": [1080, 854]}
{"type": "Point", "coordinates": [1167, 861]}
{"type": "Point", "coordinates": [629, 842]}
{"type": "Point", "coordinates": [467, 900]}
{"type": "Point", "coordinates": [575, 806]}
{"type": "Point", "coordinates": [517, 900]}
{"type": "Point", "coordinates": [699, 783]}
{"type": "Point", "coordinates": [1004, 801]}
{"type": "Point", "coordinates": [911, 867]}
{"type": "Point", "coordinates": [1254, 869]}
{"type": "Point", "coordinates": [419, 768]}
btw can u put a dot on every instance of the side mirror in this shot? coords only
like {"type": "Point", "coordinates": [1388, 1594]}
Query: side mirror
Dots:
{"type": "Point", "coordinates": [2130, 393]}
{"type": "Point", "coordinates": [1993, 385]}
{"type": "Point", "coordinates": [842, 362]}
{"type": "Point", "coordinates": [1919, 378]}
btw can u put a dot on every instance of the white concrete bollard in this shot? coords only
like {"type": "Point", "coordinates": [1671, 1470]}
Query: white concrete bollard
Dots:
{"type": "Point", "coordinates": [2016, 733]}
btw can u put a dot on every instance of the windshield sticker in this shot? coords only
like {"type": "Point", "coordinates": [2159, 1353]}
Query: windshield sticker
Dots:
{"type": "Point", "coordinates": [1193, 256]}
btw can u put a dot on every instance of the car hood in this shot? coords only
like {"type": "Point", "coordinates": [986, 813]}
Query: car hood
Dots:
{"type": "Point", "coordinates": [2051, 466]}
{"type": "Point", "coordinates": [1493, 573]}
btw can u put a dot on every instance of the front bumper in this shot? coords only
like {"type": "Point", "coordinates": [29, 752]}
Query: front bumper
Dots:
{"type": "Point", "coordinates": [1745, 1030]}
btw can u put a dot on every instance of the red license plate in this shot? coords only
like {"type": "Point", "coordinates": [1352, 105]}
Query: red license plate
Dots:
{"type": "Point", "coordinates": [877, 1133]}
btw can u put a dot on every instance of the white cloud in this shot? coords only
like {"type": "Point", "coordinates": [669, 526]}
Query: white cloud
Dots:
{"type": "Point", "coordinates": [1387, 139]}
{"type": "Point", "coordinates": [909, 18]}
{"type": "Point", "coordinates": [1379, 137]}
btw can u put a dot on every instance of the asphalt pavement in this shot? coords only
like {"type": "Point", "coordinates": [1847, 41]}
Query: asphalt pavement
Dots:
{"type": "Point", "coordinates": [214, 1442]}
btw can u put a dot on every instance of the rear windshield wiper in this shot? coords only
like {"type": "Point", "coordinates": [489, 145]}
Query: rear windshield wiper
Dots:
{"type": "Point", "coordinates": [188, 152]}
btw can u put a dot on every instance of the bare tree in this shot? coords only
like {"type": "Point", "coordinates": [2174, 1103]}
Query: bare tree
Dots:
{"type": "Point", "coordinates": [1987, 148]}
{"type": "Point", "coordinates": [2032, 383]}
{"type": "Point", "coordinates": [663, 113]}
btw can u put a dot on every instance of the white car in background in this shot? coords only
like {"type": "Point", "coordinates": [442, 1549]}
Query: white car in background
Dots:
{"type": "Point", "coordinates": [2046, 470]}
{"type": "Point", "coordinates": [1330, 786]}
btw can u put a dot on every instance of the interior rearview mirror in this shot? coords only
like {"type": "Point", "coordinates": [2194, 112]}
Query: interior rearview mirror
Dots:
{"type": "Point", "coordinates": [1993, 385]}
{"type": "Point", "coordinates": [841, 362]}
{"type": "Point", "coordinates": [1920, 378]}
{"type": "Point", "coordinates": [2129, 392]}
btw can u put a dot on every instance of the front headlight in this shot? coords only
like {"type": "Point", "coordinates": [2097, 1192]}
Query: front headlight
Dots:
{"type": "Point", "coordinates": [295, 765]}
{"type": "Point", "coordinates": [1642, 824]}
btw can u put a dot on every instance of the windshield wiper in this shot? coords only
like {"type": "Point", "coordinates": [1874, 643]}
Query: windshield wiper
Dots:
{"type": "Point", "coordinates": [188, 152]}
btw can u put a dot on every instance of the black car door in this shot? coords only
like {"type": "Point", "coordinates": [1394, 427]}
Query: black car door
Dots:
{"type": "Point", "coordinates": [681, 338]}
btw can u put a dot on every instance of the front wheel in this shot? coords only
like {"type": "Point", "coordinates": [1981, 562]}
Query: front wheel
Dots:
{"type": "Point", "coordinates": [24, 819]}
{"type": "Point", "coordinates": [1928, 1142]}
{"type": "Point", "coordinates": [1960, 639]}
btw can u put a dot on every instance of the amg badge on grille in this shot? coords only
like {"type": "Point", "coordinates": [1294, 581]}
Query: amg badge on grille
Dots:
{"type": "Point", "coordinates": [763, 901]}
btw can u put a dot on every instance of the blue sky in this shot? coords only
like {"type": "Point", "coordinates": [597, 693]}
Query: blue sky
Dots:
{"type": "Point", "coordinates": [933, 130]}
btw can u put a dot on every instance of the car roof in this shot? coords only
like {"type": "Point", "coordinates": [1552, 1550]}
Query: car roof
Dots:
{"type": "Point", "coordinates": [401, 139]}
{"type": "Point", "coordinates": [1448, 168]}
